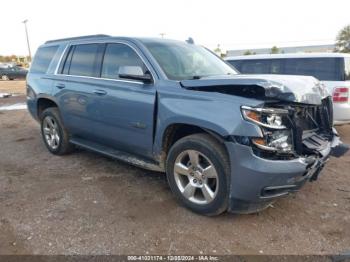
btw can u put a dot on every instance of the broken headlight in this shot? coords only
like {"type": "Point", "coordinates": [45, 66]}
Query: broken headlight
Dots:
{"type": "Point", "coordinates": [280, 141]}
{"type": "Point", "coordinates": [266, 117]}
{"type": "Point", "coordinates": [276, 136]}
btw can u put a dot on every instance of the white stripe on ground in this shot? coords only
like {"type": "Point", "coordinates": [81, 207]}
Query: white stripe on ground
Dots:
{"type": "Point", "coordinates": [18, 106]}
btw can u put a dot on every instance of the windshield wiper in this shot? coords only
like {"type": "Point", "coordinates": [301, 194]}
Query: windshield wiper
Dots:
{"type": "Point", "coordinates": [195, 77]}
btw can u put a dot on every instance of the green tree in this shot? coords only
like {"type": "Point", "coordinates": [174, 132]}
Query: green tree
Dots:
{"type": "Point", "coordinates": [343, 40]}
{"type": "Point", "coordinates": [248, 52]}
{"type": "Point", "coordinates": [274, 50]}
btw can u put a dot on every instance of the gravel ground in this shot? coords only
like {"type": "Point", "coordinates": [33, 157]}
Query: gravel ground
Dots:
{"type": "Point", "coordinates": [84, 203]}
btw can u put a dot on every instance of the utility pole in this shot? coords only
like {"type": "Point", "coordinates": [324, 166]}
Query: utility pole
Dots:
{"type": "Point", "coordinates": [25, 26]}
{"type": "Point", "coordinates": [162, 35]}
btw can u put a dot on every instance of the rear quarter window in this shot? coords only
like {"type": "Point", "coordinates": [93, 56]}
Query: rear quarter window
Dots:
{"type": "Point", "coordinates": [42, 59]}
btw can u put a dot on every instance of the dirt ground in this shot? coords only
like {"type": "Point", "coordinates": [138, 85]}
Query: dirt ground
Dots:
{"type": "Point", "coordinates": [17, 87]}
{"type": "Point", "coordinates": [84, 203]}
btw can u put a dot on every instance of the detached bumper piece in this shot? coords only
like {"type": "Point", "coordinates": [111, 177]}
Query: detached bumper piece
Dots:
{"type": "Point", "coordinates": [312, 172]}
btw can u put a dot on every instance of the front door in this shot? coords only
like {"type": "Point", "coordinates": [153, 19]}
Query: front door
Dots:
{"type": "Point", "coordinates": [125, 107]}
{"type": "Point", "coordinates": [98, 105]}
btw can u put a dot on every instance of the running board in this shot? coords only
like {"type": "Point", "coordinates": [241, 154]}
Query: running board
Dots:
{"type": "Point", "coordinates": [116, 154]}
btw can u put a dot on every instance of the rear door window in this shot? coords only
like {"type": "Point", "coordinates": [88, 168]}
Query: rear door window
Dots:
{"type": "Point", "coordinates": [83, 60]}
{"type": "Point", "coordinates": [326, 69]}
{"type": "Point", "coordinates": [42, 59]}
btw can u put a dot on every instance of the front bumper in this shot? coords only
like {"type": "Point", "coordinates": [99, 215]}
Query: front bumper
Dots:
{"type": "Point", "coordinates": [256, 182]}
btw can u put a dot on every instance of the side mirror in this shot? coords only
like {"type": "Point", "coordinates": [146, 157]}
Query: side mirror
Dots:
{"type": "Point", "coordinates": [134, 73]}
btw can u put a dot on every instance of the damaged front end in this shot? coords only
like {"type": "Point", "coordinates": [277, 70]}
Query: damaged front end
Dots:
{"type": "Point", "coordinates": [297, 137]}
{"type": "Point", "coordinates": [294, 119]}
{"type": "Point", "coordinates": [293, 130]}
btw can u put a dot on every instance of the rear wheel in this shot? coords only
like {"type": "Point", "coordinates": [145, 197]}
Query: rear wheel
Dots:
{"type": "Point", "coordinates": [198, 174]}
{"type": "Point", "coordinates": [55, 136]}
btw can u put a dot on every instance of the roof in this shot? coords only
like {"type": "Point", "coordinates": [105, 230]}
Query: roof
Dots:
{"type": "Point", "coordinates": [296, 55]}
{"type": "Point", "coordinates": [104, 37]}
{"type": "Point", "coordinates": [77, 38]}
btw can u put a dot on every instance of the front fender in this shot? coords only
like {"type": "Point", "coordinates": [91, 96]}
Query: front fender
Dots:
{"type": "Point", "coordinates": [215, 112]}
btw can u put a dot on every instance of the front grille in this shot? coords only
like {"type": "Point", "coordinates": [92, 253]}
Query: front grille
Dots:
{"type": "Point", "coordinates": [312, 126]}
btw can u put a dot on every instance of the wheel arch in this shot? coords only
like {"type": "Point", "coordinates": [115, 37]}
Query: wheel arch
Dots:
{"type": "Point", "coordinates": [175, 131]}
{"type": "Point", "coordinates": [44, 103]}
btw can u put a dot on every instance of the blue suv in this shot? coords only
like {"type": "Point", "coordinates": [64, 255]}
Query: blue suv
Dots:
{"type": "Point", "coordinates": [226, 141]}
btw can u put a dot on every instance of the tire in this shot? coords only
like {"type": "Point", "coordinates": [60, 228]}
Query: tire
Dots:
{"type": "Point", "coordinates": [54, 134]}
{"type": "Point", "coordinates": [211, 193]}
{"type": "Point", "coordinates": [5, 78]}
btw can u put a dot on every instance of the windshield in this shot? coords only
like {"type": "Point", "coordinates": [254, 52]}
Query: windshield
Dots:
{"type": "Point", "coordinates": [181, 61]}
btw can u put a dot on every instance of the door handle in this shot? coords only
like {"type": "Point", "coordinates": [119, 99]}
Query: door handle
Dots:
{"type": "Point", "coordinates": [100, 92]}
{"type": "Point", "coordinates": [60, 85]}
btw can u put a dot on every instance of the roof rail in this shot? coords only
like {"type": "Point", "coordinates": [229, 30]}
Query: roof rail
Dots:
{"type": "Point", "coordinates": [77, 38]}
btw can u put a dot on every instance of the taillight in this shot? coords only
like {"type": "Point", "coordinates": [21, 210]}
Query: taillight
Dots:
{"type": "Point", "coordinates": [341, 94]}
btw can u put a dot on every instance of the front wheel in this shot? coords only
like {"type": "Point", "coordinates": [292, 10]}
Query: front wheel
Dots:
{"type": "Point", "coordinates": [198, 174]}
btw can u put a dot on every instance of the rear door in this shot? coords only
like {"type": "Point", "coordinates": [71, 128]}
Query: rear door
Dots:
{"type": "Point", "coordinates": [74, 86]}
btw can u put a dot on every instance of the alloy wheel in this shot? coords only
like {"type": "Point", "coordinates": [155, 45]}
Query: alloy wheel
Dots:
{"type": "Point", "coordinates": [51, 133]}
{"type": "Point", "coordinates": [196, 177]}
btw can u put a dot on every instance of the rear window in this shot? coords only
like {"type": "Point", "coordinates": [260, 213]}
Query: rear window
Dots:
{"type": "Point", "coordinates": [42, 59]}
{"type": "Point", "coordinates": [347, 68]}
{"type": "Point", "coordinates": [326, 69]}
{"type": "Point", "coordinates": [83, 60]}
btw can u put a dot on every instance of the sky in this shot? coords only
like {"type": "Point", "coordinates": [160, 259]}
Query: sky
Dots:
{"type": "Point", "coordinates": [235, 24]}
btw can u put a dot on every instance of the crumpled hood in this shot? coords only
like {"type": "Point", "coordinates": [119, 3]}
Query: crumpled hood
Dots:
{"type": "Point", "coordinates": [299, 89]}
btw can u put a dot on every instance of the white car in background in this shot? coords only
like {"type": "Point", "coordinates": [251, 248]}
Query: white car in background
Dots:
{"type": "Point", "coordinates": [333, 69]}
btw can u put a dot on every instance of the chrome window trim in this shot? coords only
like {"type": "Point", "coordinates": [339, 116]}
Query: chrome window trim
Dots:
{"type": "Point", "coordinates": [101, 78]}
{"type": "Point", "coordinates": [68, 46]}
{"type": "Point", "coordinates": [60, 60]}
